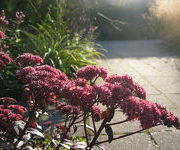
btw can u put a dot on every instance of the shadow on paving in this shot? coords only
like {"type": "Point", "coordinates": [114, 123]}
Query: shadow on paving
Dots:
{"type": "Point", "coordinates": [137, 48]}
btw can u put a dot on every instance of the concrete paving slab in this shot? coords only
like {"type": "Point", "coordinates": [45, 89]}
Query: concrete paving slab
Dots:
{"type": "Point", "coordinates": [175, 98]}
{"type": "Point", "coordinates": [119, 66]}
{"type": "Point", "coordinates": [139, 141]}
{"type": "Point", "coordinates": [170, 85]}
{"type": "Point", "coordinates": [154, 66]}
{"type": "Point", "coordinates": [168, 140]}
{"type": "Point", "coordinates": [163, 100]}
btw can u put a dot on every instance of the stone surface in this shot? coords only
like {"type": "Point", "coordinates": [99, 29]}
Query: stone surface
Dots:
{"type": "Point", "coordinates": [162, 99]}
{"type": "Point", "coordinates": [135, 142]}
{"type": "Point", "coordinates": [168, 140]}
{"type": "Point", "coordinates": [175, 99]}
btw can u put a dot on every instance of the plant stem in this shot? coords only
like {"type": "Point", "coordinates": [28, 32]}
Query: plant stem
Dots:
{"type": "Point", "coordinates": [85, 129]}
{"type": "Point", "coordinates": [93, 142]}
{"type": "Point", "coordinates": [81, 119]}
{"type": "Point", "coordinates": [79, 116]}
{"type": "Point", "coordinates": [94, 126]}
{"type": "Point", "coordinates": [64, 134]}
{"type": "Point", "coordinates": [78, 121]}
{"type": "Point", "coordinates": [94, 80]}
{"type": "Point", "coordinates": [66, 121]}
{"type": "Point", "coordinates": [115, 123]}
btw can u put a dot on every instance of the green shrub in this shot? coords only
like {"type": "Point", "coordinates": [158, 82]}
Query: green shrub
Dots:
{"type": "Point", "coordinates": [60, 48]}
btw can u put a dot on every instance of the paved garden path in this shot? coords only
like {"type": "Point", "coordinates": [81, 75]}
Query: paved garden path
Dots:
{"type": "Point", "coordinates": [157, 69]}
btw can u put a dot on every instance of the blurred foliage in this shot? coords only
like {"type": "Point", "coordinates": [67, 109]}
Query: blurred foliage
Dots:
{"type": "Point", "coordinates": [60, 31]}
{"type": "Point", "coordinates": [167, 14]}
{"type": "Point", "coordinates": [10, 86]}
{"type": "Point", "coordinates": [122, 22]}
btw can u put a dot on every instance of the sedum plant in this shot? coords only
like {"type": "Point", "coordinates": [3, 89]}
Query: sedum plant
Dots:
{"type": "Point", "coordinates": [80, 101]}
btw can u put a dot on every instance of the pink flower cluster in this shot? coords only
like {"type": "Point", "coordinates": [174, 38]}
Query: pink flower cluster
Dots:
{"type": "Point", "coordinates": [19, 109]}
{"type": "Point", "coordinates": [7, 100]}
{"type": "Point", "coordinates": [90, 72]}
{"type": "Point", "coordinates": [48, 84]}
{"type": "Point", "coordinates": [111, 94]}
{"type": "Point", "coordinates": [149, 114]}
{"type": "Point", "coordinates": [117, 88]}
{"type": "Point", "coordinates": [43, 82]}
{"type": "Point", "coordinates": [28, 58]}
{"type": "Point", "coordinates": [9, 114]}
{"type": "Point", "coordinates": [97, 113]}
{"type": "Point", "coordinates": [80, 96]}
{"type": "Point", "coordinates": [4, 59]}
{"type": "Point", "coordinates": [68, 109]}
{"type": "Point", "coordinates": [2, 35]}
{"type": "Point", "coordinates": [60, 127]}
{"type": "Point", "coordinates": [127, 82]}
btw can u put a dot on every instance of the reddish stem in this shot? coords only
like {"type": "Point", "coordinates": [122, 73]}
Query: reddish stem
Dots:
{"type": "Point", "coordinates": [85, 129]}
{"type": "Point", "coordinates": [64, 135]}
{"type": "Point", "coordinates": [103, 124]}
{"type": "Point", "coordinates": [94, 126]}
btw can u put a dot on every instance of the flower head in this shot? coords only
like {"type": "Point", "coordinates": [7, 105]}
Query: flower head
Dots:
{"type": "Point", "coordinates": [149, 114]}
{"type": "Point", "coordinates": [44, 82]}
{"type": "Point", "coordinates": [20, 109]}
{"type": "Point", "coordinates": [138, 91]}
{"type": "Point", "coordinates": [168, 118]}
{"type": "Point", "coordinates": [124, 79]}
{"type": "Point", "coordinates": [4, 59]}
{"type": "Point", "coordinates": [111, 94]}
{"type": "Point", "coordinates": [56, 73]}
{"type": "Point", "coordinates": [2, 35]}
{"type": "Point", "coordinates": [28, 58]}
{"type": "Point", "coordinates": [90, 72]}
{"type": "Point", "coordinates": [24, 72]}
{"type": "Point", "coordinates": [80, 82]}
{"type": "Point", "coordinates": [103, 94]}
{"type": "Point", "coordinates": [127, 82]}
{"type": "Point", "coordinates": [97, 113]}
{"type": "Point", "coordinates": [82, 97]}
{"type": "Point", "coordinates": [8, 99]}
{"type": "Point", "coordinates": [9, 114]}
{"type": "Point", "coordinates": [60, 127]}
